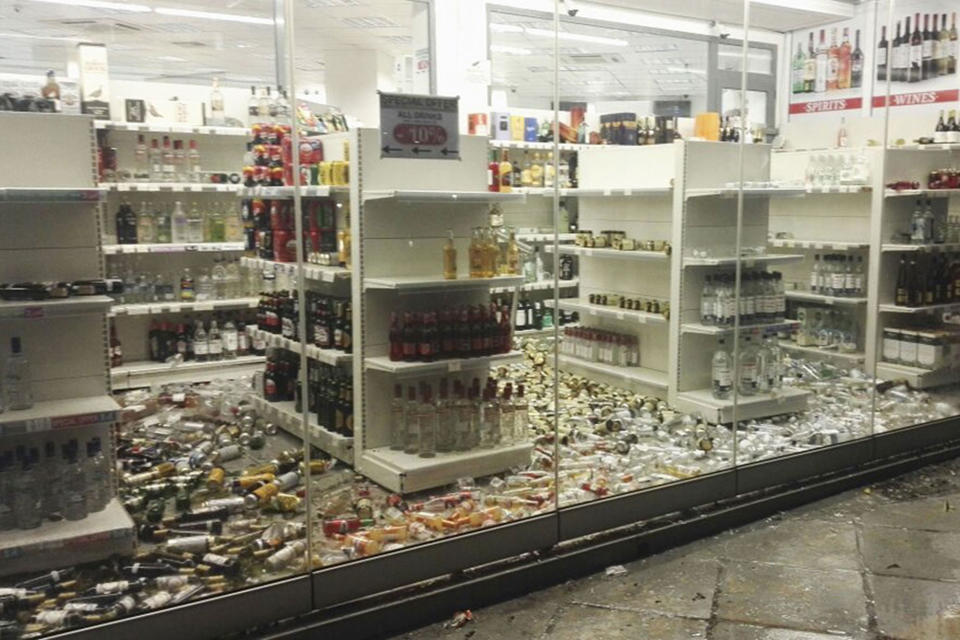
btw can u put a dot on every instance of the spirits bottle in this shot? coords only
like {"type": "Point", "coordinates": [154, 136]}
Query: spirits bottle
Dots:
{"type": "Point", "coordinates": [17, 381]}
{"type": "Point", "coordinates": [489, 426]}
{"type": "Point", "coordinates": [201, 348]}
{"type": "Point", "coordinates": [521, 416]}
{"type": "Point", "coordinates": [126, 224]}
{"type": "Point", "coordinates": [155, 156]}
{"type": "Point", "coordinates": [217, 114]}
{"type": "Point", "coordinates": [161, 225]}
{"type": "Point", "coordinates": [823, 57]}
{"type": "Point", "coordinates": [233, 226]}
{"type": "Point", "coordinates": [833, 63]}
{"type": "Point", "coordinates": [146, 233]}
{"type": "Point", "coordinates": [412, 442]}
{"type": "Point", "coordinates": [927, 65]}
{"type": "Point", "coordinates": [253, 107]}
{"type": "Point", "coordinates": [193, 164]}
{"type": "Point", "coordinates": [810, 68]}
{"type": "Point", "coordinates": [75, 500]}
{"type": "Point", "coordinates": [475, 252]}
{"type": "Point", "coordinates": [195, 225]}
{"type": "Point", "coordinates": [449, 258]}
{"type": "Point", "coordinates": [952, 48]}
{"type": "Point", "coordinates": [141, 169]}
{"type": "Point", "coordinates": [896, 57]}
{"type": "Point", "coordinates": [940, 131]}
{"type": "Point", "coordinates": [96, 478]}
{"type": "Point", "coordinates": [856, 63]}
{"type": "Point", "coordinates": [179, 225]}
{"type": "Point", "coordinates": [915, 69]}
{"type": "Point", "coordinates": [26, 494]}
{"type": "Point", "coordinates": [461, 418]}
{"type": "Point", "coordinates": [398, 420]}
{"type": "Point", "coordinates": [188, 291]}
{"type": "Point", "coordinates": [427, 424]}
{"type": "Point", "coordinates": [901, 294]}
{"type": "Point", "coordinates": [506, 173]}
{"type": "Point", "coordinates": [169, 162]}
{"type": "Point", "coordinates": [842, 139]}
{"type": "Point", "coordinates": [493, 173]}
{"type": "Point", "coordinates": [844, 69]}
{"type": "Point", "coordinates": [749, 374]}
{"type": "Point", "coordinates": [229, 340]}
{"type": "Point", "coordinates": [116, 349]}
{"type": "Point", "coordinates": [799, 63]}
{"type": "Point", "coordinates": [508, 416]}
{"type": "Point", "coordinates": [883, 55]}
{"type": "Point", "coordinates": [445, 419]}
{"type": "Point", "coordinates": [180, 168]}
{"type": "Point", "coordinates": [216, 226]}
{"type": "Point", "coordinates": [214, 342]}
{"type": "Point", "coordinates": [344, 248]}
{"type": "Point", "coordinates": [708, 303]}
{"type": "Point", "coordinates": [773, 369]}
{"type": "Point", "coordinates": [513, 255]}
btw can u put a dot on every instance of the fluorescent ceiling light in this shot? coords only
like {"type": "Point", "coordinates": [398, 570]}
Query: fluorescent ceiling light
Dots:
{"type": "Point", "coordinates": [209, 15]}
{"type": "Point", "coordinates": [517, 51]}
{"type": "Point", "coordinates": [102, 4]}
{"type": "Point", "coordinates": [577, 37]}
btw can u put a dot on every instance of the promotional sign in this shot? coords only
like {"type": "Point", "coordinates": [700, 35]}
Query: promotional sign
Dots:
{"type": "Point", "coordinates": [918, 50]}
{"type": "Point", "coordinates": [418, 126]}
{"type": "Point", "coordinates": [827, 68]}
{"type": "Point", "coordinates": [94, 80]}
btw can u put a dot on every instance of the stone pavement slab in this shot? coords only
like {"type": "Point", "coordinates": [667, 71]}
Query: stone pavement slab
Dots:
{"type": "Point", "coordinates": [812, 544]}
{"type": "Point", "coordinates": [916, 609]}
{"type": "Point", "coordinates": [911, 553]}
{"type": "Point", "coordinates": [581, 623]}
{"type": "Point", "coordinates": [733, 631]}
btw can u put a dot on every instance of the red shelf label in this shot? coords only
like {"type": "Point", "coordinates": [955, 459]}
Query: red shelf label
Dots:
{"type": "Point", "coordinates": [825, 106]}
{"type": "Point", "coordinates": [914, 99]}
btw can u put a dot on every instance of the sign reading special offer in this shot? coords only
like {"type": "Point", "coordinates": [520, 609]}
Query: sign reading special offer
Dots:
{"type": "Point", "coordinates": [419, 126]}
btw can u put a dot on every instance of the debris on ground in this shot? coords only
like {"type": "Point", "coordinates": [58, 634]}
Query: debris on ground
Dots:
{"type": "Point", "coordinates": [616, 570]}
{"type": "Point", "coordinates": [459, 619]}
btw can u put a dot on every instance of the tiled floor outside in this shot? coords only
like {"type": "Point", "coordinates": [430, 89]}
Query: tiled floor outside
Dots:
{"type": "Point", "coordinates": [877, 563]}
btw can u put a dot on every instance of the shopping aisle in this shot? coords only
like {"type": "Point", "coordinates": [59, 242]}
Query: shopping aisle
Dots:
{"type": "Point", "coordinates": [877, 563]}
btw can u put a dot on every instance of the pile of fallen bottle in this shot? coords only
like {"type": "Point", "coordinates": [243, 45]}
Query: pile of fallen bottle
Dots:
{"type": "Point", "coordinates": [219, 498]}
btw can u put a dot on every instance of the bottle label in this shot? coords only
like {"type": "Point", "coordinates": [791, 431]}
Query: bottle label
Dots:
{"type": "Point", "coordinates": [707, 307]}
{"type": "Point", "coordinates": [928, 48]}
{"type": "Point", "coordinates": [916, 55]}
{"type": "Point", "coordinates": [748, 374]}
{"type": "Point", "coordinates": [833, 69]}
{"type": "Point", "coordinates": [882, 56]}
{"type": "Point", "coordinates": [838, 281]}
{"type": "Point", "coordinates": [216, 347]}
{"type": "Point", "coordinates": [850, 283]}
{"type": "Point", "coordinates": [230, 341]}
{"type": "Point", "coordinates": [200, 347]}
{"type": "Point", "coordinates": [814, 280]}
{"type": "Point", "coordinates": [723, 378]}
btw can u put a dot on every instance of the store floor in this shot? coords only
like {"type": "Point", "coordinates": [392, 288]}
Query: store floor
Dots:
{"type": "Point", "coordinates": [877, 563]}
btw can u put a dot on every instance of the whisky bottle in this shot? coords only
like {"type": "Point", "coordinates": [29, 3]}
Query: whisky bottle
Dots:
{"type": "Point", "coordinates": [343, 243]}
{"type": "Point", "coordinates": [513, 255]}
{"type": "Point", "coordinates": [427, 424]}
{"type": "Point", "coordinates": [506, 173]}
{"type": "Point", "coordinates": [412, 442]}
{"type": "Point", "coordinates": [449, 258]}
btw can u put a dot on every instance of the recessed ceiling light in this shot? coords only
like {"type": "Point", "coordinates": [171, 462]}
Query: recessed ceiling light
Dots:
{"type": "Point", "coordinates": [210, 15]}
{"type": "Point", "coordinates": [102, 4]}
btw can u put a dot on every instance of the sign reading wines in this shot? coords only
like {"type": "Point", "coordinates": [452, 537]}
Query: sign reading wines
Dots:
{"type": "Point", "coordinates": [418, 126]}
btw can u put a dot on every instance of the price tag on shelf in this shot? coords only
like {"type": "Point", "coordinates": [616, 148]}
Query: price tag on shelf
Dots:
{"type": "Point", "coordinates": [588, 252]}
{"type": "Point", "coordinates": [205, 306]}
{"type": "Point", "coordinates": [328, 276]}
{"type": "Point", "coordinates": [818, 245]}
{"type": "Point", "coordinates": [123, 187]}
{"type": "Point", "coordinates": [33, 312]}
{"type": "Point", "coordinates": [179, 397]}
{"type": "Point", "coordinates": [620, 315]}
{"type": "Point", "coordinates": [593, 312]}
{"type": "Point", "coordinates": [453, 366]}
{"type": "Point", "coordinates": [837, 247]}
{"type": "Point", "coordinates": [628, 192]}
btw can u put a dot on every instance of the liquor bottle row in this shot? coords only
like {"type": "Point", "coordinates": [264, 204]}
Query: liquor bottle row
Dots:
{"type": "Point", "coordinates": [226, 280]}
{"type": "Point", "coordinates": [837, 275]}
{"type": "Point", "coordinates": [329, 319]}
{"type": "Point", "coordinates": [530, 171]}
{"type": "Point", "coordinates": [760, 367]}
{"type": "Point", "coordinates": [329, 397]}
{"type": "Point", "coordinates": [16, 386]}
{"type": "Point", "coordinates": [596, 345]}
{"type": "Point", "coordinates": [60, 290]}
{"type": "Point", "coordinates": [831, 329]}
{"type": "Point", "coordinates": [225, 339]}
{"type": "Point", "coordinates": [927, 347]}
{"type": "Point", "coordinates": [161, 223]}
{"type": "Point", "coordinates": [833, 169]}
{"type": "Point", "coordinates": [927, 278]}
{"type": "Point", "coordinates": [68, 484]}
{"type": "Point", "coordinates": [761, 298]}
{"type": "Point", "coordinates": [918, 55]}
{"type": "Point", "coordinates": [488, 256]}
{"type": "Point", "coordinates": [536, 315]}
{"type": "Point", "coordinates": [425, 425]}
{"type": "Point", "coordinates": [268, 160]}
{"type": "Point", "coordinates": [946, 131]}
{"type": "Point", "coordinates": [648, 305]}
{"type": "Point", "coordinates": [458, 332]}
{"type": "Point", "coordinates": [833, 68]}
{"type": "Point", "coordinates": [173, 161]}
{"type": "Point", "coordinates": [619, 240]}
{"type": "Point", "coordinates": [271, 231]}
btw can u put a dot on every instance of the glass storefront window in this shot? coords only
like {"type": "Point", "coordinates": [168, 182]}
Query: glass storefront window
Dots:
{"type": "Point", "coordinates": [320, 299]}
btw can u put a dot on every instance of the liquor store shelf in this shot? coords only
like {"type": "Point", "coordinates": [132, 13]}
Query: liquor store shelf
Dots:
{"type": "Point", "coordinates": [637, 375]}
{"type": "Point", "coordinates": [930, 308]}
{"type": "Point", "coordinates": [616, 254]}
{"type": "Point", "coordinates": [792, 243]}
{"type": "Point", "coordinates": [746, 261]}
{"type": "Point", "coordinates": [402, 283]}
{"type": "Point", "coordinates": [77, 305]}
{"type": "Point", "coordinates": [401, 195]}
{"type": "Point", "coordinates": [946, 246]}
{"type": "Point", "coordinates": [68, 542]}
{"type": "Point", "coordinates": [824, 354]}
{"type": "Point", "coordinates": [154, 308]}
{"type": "Point", "coordinates": [146, 372]}
{"type": "Point", "coordinates": [171, 187]}
{"type": "Point", "coordinates": [540, 146]}
{"type": "Point", "coordinates": [604, 311]}
{"type": "Point", "coordinates": [406, 472]}
{"type": "Point", "coordinates": [452, 365]}
{"type": "Point", "coordinates": [749, 192]}
{"type": "Point", "coordinates": [542, 285]}
{"type": "Point", "coordinates": [287, 418]}
{"type": "Point", "coordinates": [545, 236]}
{"type": "Point", "coordinates": [287, 193]}
{"type": "Point", "coordinates": [761, 405]}
{"type": "Point", "coordinates": [326, 356]}
{"type": "Point", "coordinates": [49, 194]}
{"type": "Point", "coordinates": [172, 247]}
{"type": "Point", "coordinates": [938, 146]}
{"type": "Point", "coordinates": [142, 127]}
{"type": "Point", "coordinates": [915, 376]}
{"type": "Point", "coordinates": [716, 330]}
{"type": "Point", "coordinates": [54, 415]}
{"type": "Point", "coordinates": [822, 299]}
{"type": "Point", "coordinates": [838, 188]}
{"type": "Point", "coordinates": [316, 272]}
{"type": "Point", "coordinates": [609, 192]}
{"type": "Point", "coordinates": [921, 193]}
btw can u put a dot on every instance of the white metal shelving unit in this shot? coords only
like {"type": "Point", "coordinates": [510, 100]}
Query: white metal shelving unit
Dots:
{"type": "Point", "coordinates": [398, 238]}
{"type": "Point", "coordinates": [65, 340]}
{"type": "Point", "coordinates": [132, 375]}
